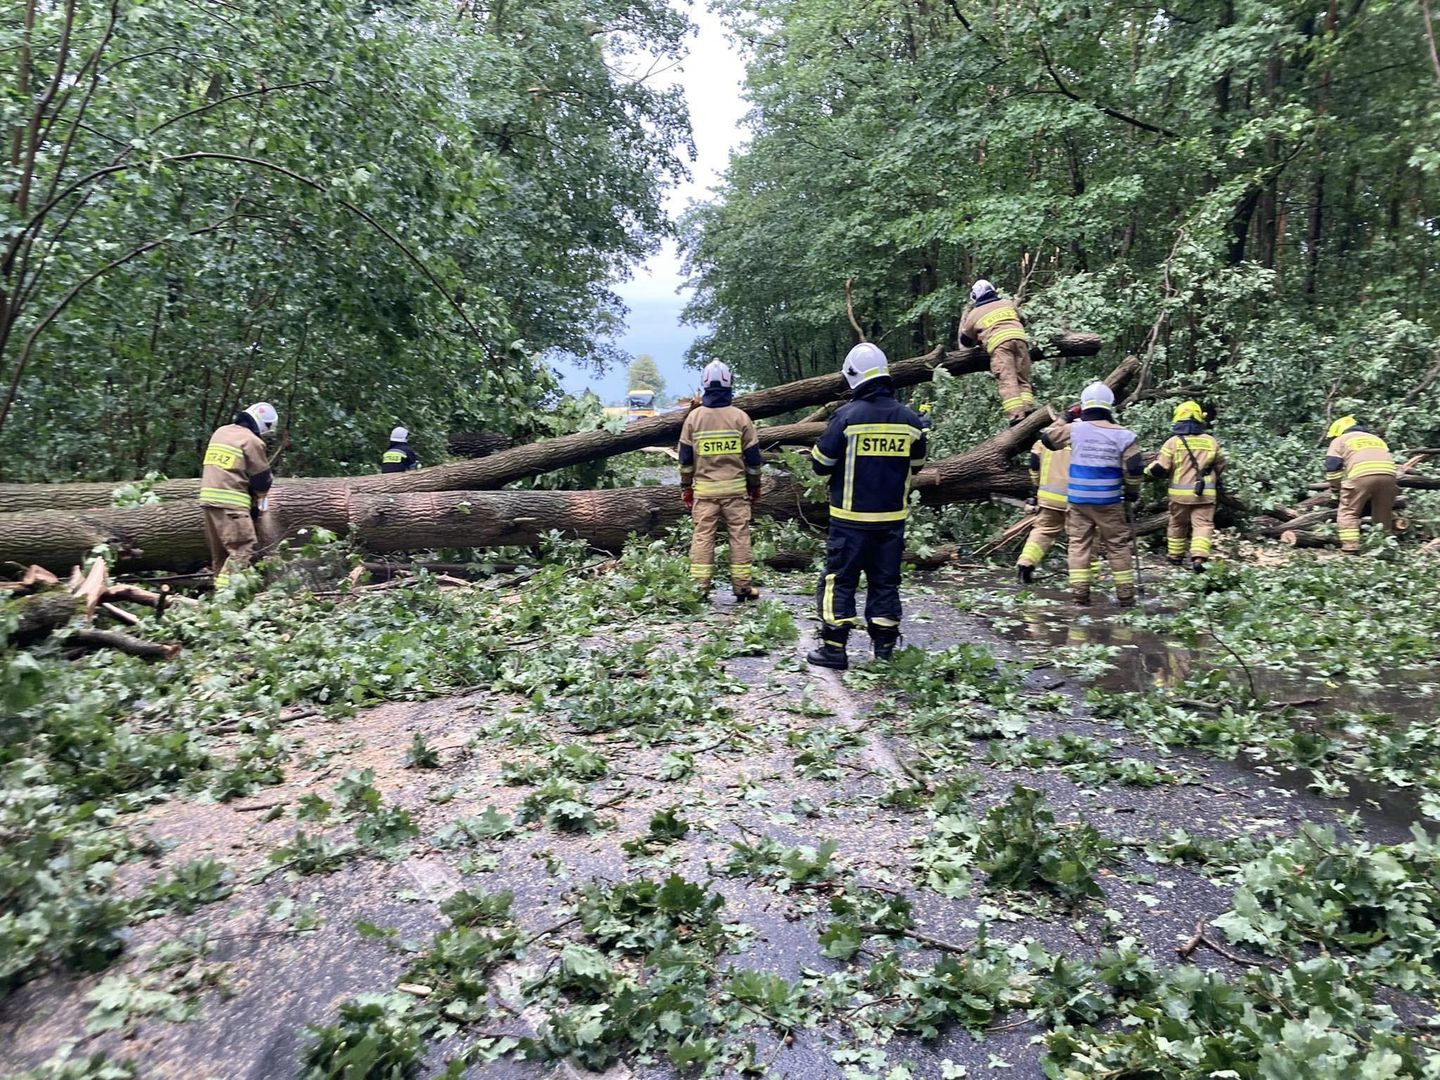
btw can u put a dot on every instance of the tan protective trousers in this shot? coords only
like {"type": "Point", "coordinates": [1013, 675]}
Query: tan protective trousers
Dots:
{"type": "Point", "coordinates": [1049, 526]}
{"type": "Point", "coordinates": [734, 511]}
{"type": "Point", "coordinates": [1192, 525]}
{"type": "Point", "coordinates": [1088, 528]}
{"type": "Point", "coordinates": [1378, 493]}
{"type": "Point", "coordinates": [231, 537]}
{"type": "Point", "coordinates": [1010, 364]}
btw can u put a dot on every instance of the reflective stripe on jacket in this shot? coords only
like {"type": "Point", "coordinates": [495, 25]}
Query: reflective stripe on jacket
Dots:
{"type": "Point", "coordinates": [1175, 459]}
{"type": "Point", "coordinates": [1357, 453]}
{"type": "Point", "coordinates": [1050, 475]}
{"type": "Point", "coordinates": [1104, 460]}
{"type": "Point", "coordinates": [234, 458]}
{"type": "Point", "coordinates": [993, 324]}
{"type": "Point", "coordinates": [871, 449]}
{"type": "Point", "coordinates": [719, 451]}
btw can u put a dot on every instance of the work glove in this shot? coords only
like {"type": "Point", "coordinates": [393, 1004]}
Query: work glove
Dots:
{"type": "Point", "coordinates": [687, 496]}
{"type": "Point", "coordinates": [753, 494]}
{"type": "Point", "coordinates": [925, 409]}
{"type": "Point", "coordinates": [262, 503]}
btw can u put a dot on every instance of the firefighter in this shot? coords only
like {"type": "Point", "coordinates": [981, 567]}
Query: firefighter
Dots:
{"type": "Point", "coordinates": [1105, 468]}
{"type": "Point", "coordinates": [398, 457]}
{"type": "Point", "coordinates": [1360, 469]}
{"type": "Point", "coordinates": [1050, 475]}
{"type": "Point", "coordinates": [234, 483]}
{"type": "Point", "coordinates": [1192, 460]}
{"type": "Point", "coordinates": [720, 481]}
{"type": "Point", "coordinates": [871, 450]}
{"type": "Point", "coordinates": [997, 325]}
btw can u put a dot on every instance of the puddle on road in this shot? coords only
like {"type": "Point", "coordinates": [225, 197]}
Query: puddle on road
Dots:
{"type": "Point", "coordinates": [1141, 661]}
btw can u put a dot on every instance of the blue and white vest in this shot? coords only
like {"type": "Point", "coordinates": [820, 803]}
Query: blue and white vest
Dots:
{"type": "Point", "coordinates": [1097, 463]}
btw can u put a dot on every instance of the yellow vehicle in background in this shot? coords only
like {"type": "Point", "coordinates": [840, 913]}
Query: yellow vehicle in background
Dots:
{"type": "Point", "coordinates": [639, 405]}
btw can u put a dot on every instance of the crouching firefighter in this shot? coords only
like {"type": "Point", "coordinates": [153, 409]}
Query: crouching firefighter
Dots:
{"type": "Point", "coordinates": [871, 450]}
{"type": "Point", "coordinates": [234, 484]}
{"type": "Point", "coordinates": [720, 481]}
{"type": "Point", "coordinates": [398, 457]}
{"type": "Point", "coordinates": [1050, 477]}
{"type": "Point", "coordinates": [1105, 469]}
{"type": "Point", "coordinates": [1192, 460]}
{"type": "Point", "coordinates": [1360, 468]}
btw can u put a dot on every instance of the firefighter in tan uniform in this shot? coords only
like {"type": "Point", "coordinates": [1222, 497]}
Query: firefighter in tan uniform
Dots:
{"type": "Point", "coordinates": [1360, 467]}
{"type": "Point", "coordinates": [997, 325]}
{"type": "Point", "coordinates": [720, 480]}
{"type": "Point", "coordinates": [1105, 469]}
{"type": "Point", "coordinates": [1050, 475]}
{"type": "Point", "coordinates": [234, 483]}
{"type": "Point", "coordinates": [1192, 460]}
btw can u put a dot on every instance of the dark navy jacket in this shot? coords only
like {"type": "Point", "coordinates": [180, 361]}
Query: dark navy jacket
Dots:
{"type": "Point", "coordinates": [398, 457]}
{"type": "Point", "coordinates": [871, 450]}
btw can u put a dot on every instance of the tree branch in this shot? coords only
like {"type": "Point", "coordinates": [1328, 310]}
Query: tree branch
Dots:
{"type": "Point", "coordinates": [1113, 113]}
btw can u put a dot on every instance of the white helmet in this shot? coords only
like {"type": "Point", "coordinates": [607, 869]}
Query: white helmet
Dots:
{"type": "Point", "coordinates": [399, 434]}
{"type": "Point", "coordinates": [716, 371]}
{"type": "Point", "coordinates": [1097, 396]}
{"type": "Point", "coordinates": [264, 415]}
{"type": "Point", "coordinates": [863, 363]}
{"type": "Point", "coordinates": [979, 289]}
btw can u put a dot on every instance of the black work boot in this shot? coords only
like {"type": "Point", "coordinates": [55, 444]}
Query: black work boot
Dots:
{"type": "Point", "coordinates": [745, 591]}
{"type": "Point", "coordinates": [883, 640]}
{"type": "Point", "coordinates": [828, 656]}
{"type": "Point", "coordinates": [1198, 565]}
{"type": "Point", "coordinates": [1024, 574]}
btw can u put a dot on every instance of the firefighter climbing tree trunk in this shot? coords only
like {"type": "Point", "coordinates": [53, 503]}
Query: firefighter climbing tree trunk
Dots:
{"type": "Point", "coordinates": [499, 469]}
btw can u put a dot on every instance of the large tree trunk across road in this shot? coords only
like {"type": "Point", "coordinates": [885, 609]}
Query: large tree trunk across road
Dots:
{"type": "Point", "coordinates": [171, 536]}
{"type": "Point", "coordinates": [501, 468]}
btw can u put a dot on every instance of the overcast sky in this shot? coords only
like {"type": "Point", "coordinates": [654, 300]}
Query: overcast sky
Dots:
{"type": "Point", "coordinates": [710, 76]}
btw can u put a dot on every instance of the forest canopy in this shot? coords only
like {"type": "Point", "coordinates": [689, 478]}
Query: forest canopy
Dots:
{"type": "Point", "coordinates": [369, 214]}
{"type": "Point", "coordinates": [1246, 194]}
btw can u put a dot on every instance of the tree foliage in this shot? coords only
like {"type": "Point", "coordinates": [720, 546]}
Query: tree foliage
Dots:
{"type": "Point", "coordinates": [366, 214]}
{"type": "Point", "coordinates": [644, 374]}
{"type": "Point", "coordinates": [1244, 192]}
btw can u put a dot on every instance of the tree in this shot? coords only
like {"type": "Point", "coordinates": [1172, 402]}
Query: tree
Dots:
{"type": "Point", "coordinates": [644, 374]}
{"type": "Point", "coordinates": [367, 215]}
{"type": "Point", "coordinates": [1210, 216]}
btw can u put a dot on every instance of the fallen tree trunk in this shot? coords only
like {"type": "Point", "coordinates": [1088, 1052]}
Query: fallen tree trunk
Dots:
{"type": "Point", "coordinates": [499, 469]}
{"type": "Point", "coordinates": [171, 536]}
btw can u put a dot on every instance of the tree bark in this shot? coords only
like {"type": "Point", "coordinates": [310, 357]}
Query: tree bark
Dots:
{"type": "Point", "coordinates": [499, 469]}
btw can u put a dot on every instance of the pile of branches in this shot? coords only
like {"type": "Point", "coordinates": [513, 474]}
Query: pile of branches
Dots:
{"type": "Point", "coordinates": [43, 606]}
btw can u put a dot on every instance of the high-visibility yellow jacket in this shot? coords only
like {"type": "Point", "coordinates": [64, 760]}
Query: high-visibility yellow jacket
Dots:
{"type": "Point", "coordinates": [1192, 459]}
{"type": "Point", "coordinates": [1050, 474]}
{"type": "Point", "coordinates": [236, 466]}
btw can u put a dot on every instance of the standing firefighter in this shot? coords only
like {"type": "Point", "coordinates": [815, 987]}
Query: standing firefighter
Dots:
{"type": "Point", "coordinates": [398, 457]}
{"type": "Point", "coordinates": [1358, 465]}
{"type": "Point", "coordinates": [1193, 461]}
{"type": "Point", "coordinates": [1105, 468]}
{"type": "Point", "coordinates": [1050, 475]}
{"type": "Point", "coordinates": [997, 325]}
{"type": "Point", "coordinates": [871, 450]}
{"type": "Point", "coordinates": [720, 480]}
{"type": "Point", "coordinates": [233, 485]}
